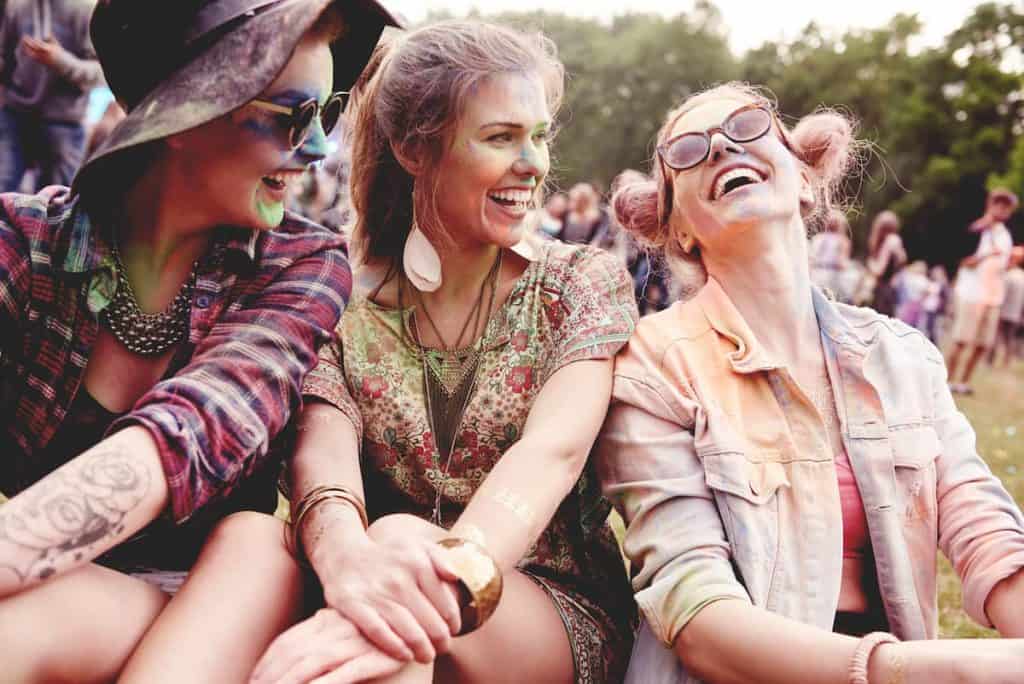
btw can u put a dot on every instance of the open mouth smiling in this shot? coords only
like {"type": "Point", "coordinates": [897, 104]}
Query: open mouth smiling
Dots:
{"type": "Point", "coordinates": [514, 199]}
{"type": "Point", "coordinates": [734, 178]}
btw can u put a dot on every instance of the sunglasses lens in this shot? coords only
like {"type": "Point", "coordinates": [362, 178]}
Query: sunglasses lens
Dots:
{"type": "Point", "coordinates": [748, 125]}
{"type": "Point", "coordinates": [687, 151]}
{"type": "Point", "coordinates": [302, 123]}
{"type": "Point", "coordinates": [331, 113]}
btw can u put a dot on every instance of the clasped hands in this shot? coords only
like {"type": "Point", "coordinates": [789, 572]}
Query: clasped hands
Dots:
{"type": "Point", "coordinates": [388, 602]}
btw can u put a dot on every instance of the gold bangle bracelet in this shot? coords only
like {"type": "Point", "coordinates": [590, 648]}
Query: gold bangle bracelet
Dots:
{"type": "Point", "coordinates": [314, 497]}
{"type": "Point", "coordinates": [480, 581]}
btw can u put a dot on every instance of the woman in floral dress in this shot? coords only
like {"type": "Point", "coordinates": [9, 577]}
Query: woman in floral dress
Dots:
{"type": "Point", "coordinates": [471, 375]}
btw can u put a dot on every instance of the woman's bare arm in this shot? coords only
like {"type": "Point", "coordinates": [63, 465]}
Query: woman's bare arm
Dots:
{"type": "Point", "coordinates": [86, 507]}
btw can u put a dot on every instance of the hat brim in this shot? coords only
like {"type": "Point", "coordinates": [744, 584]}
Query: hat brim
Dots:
{"type": "Point", "coordinates": [239, 66]}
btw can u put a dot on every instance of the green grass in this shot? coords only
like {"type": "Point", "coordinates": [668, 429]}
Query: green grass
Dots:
{"type": "Point", "coordinates": [996, 410]}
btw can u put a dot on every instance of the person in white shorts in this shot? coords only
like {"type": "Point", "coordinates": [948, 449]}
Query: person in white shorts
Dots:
{"type": "Point", "coordinates": [979, 289]}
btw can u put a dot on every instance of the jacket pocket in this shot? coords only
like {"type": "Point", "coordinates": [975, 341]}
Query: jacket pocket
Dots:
{"type": "Point", "coordinates": [746, 493]}
{"type": "Point", "coordinates": [754, 480]}
{"type": "Point", "coordinates": [914, 451]}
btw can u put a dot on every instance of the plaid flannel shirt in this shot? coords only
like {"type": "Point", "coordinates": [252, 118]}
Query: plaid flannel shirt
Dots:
{"type": "Point", "coordinates": [258, 316]}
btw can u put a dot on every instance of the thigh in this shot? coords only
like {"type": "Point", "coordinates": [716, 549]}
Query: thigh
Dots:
{"type": "Point", "coordinates": [524, 641]}
{"type": "Point", "coordinates": [243, 591]}
{"type": "Point", "coordinates": [78, 627]}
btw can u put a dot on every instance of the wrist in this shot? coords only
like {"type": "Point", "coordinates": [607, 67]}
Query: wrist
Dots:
{"type": "Point", "coordinates": [331, 530]}
{"type": "Point", "coordinates": [867, 654]}
{"type": "Point", "coordinates": [480, 582]}
{"type": "Point", "coordinates": [315, 502]}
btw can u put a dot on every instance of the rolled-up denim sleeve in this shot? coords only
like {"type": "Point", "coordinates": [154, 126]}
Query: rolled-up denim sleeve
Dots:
{"type": "Point", "coordinates": [674, 540]}
{"type": "Point", "coordinates": [981, 529]}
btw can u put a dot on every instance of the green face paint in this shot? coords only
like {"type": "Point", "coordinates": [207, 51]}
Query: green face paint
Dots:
{"type": "Point", "coordinates": [270, 212]}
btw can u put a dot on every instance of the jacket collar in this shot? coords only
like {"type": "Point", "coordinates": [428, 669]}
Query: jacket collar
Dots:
{"type": "Point", "coordinates": [750, 356]}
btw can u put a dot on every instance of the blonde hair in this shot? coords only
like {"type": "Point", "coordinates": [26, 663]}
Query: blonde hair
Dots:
{"type": "Point", "coordinates": [409, 101]}
{"type": "Point", "coordinates": [823, 143]}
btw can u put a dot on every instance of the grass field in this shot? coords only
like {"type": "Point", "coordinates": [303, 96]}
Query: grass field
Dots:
{"type": "Point", "coordinates": [996, 410]}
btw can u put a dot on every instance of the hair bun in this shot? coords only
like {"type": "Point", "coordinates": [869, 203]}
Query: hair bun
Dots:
{"type": "Point", "coordinates": [824, 141]}
{"type": "Point", "coordinates": [635, 203]}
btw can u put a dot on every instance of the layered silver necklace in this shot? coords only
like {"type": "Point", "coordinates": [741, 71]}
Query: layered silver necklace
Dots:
{"type": "Point", "coordinates": [142, 333]}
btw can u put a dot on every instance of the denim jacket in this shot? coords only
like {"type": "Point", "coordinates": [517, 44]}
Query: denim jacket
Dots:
{"type": "Point", "coordinates": [700, 455]}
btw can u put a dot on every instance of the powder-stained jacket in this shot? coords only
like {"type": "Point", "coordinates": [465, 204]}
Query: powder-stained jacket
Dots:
{"type": "Point", "coordinates": [722, 470]}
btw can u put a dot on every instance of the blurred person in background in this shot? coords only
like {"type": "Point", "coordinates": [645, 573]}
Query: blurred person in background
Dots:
{"type": "Point", "coordinates": [936, 302]}
{"type": "Point", "coordinates": [586, 220]}
{"type": "Point", "coordinates": [980, 288]}
{"type": "Point", "coordinates": [886, 256]}
{"type": "Point", "coordinates": [47, 68]}
{"type": "Point", "coordinates": [911, 285]}
{"type": "Point", "coordinates": [552, 215]}
{"type": "Point", "coordinates": [1012, 309]}
{"type": "Point", "coordinates": [829, 250]}
{"type": "Point", "coordinates": [788, 467]}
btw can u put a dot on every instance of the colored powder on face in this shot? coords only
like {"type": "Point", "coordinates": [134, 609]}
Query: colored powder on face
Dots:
{"type": "Point", "coordinates": [271, 213]}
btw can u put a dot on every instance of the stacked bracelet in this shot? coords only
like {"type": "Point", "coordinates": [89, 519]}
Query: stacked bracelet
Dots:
{"type": "Point", "coordinates": [314, 497]}
{"type": "Point", "coordinates": [480, 581]}
{"type": "Point", "coordinates": [862, 655]}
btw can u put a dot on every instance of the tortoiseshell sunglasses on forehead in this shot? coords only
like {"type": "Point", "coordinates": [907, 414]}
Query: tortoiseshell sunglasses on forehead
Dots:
{"type": "Point", "coordinates": [300, 117]}
{"type": "Point", "coordinates": [687, 150]}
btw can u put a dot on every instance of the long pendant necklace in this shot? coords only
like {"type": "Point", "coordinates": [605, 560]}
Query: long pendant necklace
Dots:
{"type": "Point", "coordinates": [441, 397]}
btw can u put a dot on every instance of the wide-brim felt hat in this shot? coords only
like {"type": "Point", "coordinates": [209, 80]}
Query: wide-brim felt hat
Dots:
{"type": "Point", "coordinates": [177, 64]}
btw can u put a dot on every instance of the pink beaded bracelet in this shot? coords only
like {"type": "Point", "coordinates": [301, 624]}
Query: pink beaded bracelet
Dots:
{"type": "Point", "coordinates": [862, 655]}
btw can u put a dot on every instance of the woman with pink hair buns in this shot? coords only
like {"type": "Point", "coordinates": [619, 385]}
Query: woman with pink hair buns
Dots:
{"type": "Point", "coordinates": [787, 466]}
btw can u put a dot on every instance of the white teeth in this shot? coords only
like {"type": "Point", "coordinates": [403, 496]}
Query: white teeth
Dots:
{"type": "Point", "coordinates": [732, 174]}
{"type": "Point", "coordinates": [520, 197]}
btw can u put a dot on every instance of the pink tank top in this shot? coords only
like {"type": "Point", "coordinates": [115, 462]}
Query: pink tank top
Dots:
{"type": "Point", "coordinates": [855, 522]}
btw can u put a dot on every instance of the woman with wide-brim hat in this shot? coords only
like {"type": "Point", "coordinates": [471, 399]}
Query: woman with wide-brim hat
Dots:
{"type": "Point", "coordinates": [157, 319]}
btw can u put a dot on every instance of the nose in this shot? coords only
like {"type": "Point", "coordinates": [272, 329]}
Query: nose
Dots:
{"type": "Point", "coordinates": [314, 147]}
{"type": "Point", "coordinates": [532, 162]}
{"type": "Point", "coordinates": [720, 146]}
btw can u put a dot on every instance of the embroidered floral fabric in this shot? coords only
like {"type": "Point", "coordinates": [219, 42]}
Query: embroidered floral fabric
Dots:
{"type": "Point", "coordinates": [573, 303]}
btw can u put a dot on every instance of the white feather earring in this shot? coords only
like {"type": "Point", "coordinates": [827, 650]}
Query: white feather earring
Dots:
{"type": "Point", "coordinates": [421, 261]}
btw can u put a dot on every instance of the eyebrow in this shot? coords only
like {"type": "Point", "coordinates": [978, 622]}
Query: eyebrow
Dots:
{"type": "Point", "coordinates": [513, 124]}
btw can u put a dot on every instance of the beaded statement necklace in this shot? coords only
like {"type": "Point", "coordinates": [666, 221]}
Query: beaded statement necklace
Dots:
{"type": "Point", "coordinates": [142, 333]}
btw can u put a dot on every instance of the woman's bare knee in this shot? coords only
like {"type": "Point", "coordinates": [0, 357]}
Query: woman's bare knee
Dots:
{"type": "Point", "coordinates": [79, 627]}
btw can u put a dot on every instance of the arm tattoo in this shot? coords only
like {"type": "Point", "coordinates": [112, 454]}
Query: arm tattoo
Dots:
{"type": "Point", "coordinates": [60, 520]}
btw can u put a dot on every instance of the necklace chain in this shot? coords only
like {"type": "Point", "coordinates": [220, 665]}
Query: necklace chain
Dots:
{"type": "Point", "coordinates": [466, 383]}
{"type": "Point", "coordinates": [142, 333]}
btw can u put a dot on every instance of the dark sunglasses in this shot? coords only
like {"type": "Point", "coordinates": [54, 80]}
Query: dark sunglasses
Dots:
{"type": "Point", "coordinates": [687, 150]}
{"type": "Point", "coordinates": [300, 117]}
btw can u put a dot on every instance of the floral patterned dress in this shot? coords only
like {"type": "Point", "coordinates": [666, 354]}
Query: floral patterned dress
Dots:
{"type": "Point", "coordinates": [572, 303]}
